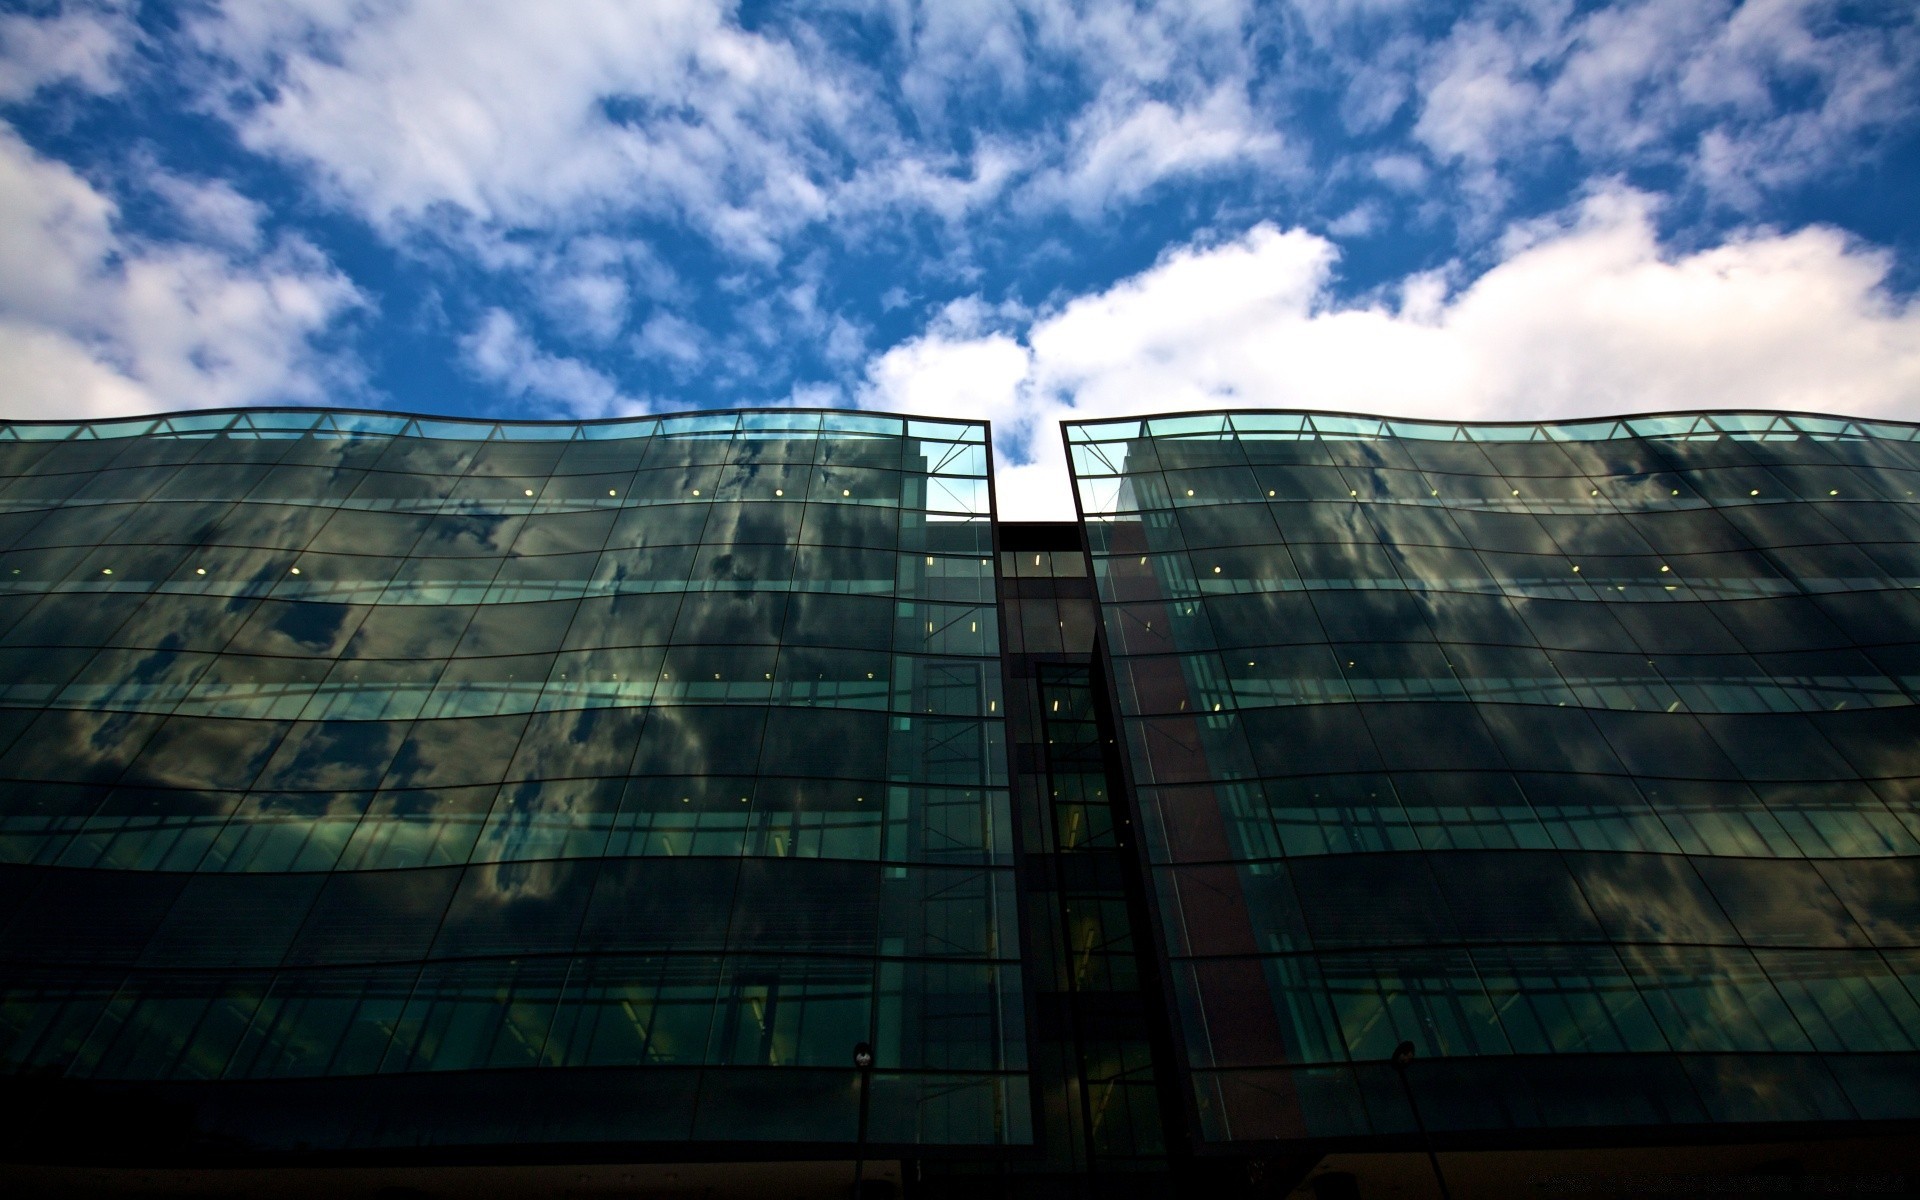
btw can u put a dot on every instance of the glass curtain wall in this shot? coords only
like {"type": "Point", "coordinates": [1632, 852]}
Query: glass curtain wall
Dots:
{"type": "Point", "coordinates": [1581, 756]}
{"type": "Point", "coordinates": [664, 752]}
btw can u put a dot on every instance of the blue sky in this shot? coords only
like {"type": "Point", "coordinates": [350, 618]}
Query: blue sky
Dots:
{"type": "Point", "coordinates": [1015, 209]}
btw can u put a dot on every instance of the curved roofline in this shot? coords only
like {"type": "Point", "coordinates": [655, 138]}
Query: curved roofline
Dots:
{"type": "Point", "coordinates": [1752, 421]}
{"type": "Point", "coordinates": [370, 421]}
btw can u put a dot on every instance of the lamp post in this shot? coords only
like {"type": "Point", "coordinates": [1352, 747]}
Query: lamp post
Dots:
{"type": "Point", "coordinates": [862, 1063]}
{"type": "Point", "coordinates": [1402, 1058]}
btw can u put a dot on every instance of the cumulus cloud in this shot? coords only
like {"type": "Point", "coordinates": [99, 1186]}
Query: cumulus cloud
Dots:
{"type": "Point", "coordinates": [674, 340]}
{"type": "Point", "coordinates": [514, 133]}
{"type": "Point", "coordinates": [550, 115]}
{"type": "Point", "coordinates": [1119, 150]}
{"type": "Point", "coordinates": [84, 46]}
{"type": "Point", "coordinates": [1585, 316]}
{"type": "Point", "coordinates": [579, 112]}
{"type": "Point", "coordinates": [503, 353]}
{"type": "Point", "coordinates": [1747, 97]}
{"type": "Point", "coordinates": [563, 154]}
{"type": "Point", "coordinates": [94, 322]}
{"type": "Point", "coordinates": [210, 209]}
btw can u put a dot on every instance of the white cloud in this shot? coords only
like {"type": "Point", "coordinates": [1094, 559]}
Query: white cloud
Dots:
{"type": "Point", "coordinates": [1478, 99]}
{"type": "Point", "coordinates": [209, 208]}
{"type": "Point", "coordinates": [1747, 96]}
{"type": "Point", "coordinates": [464, 118]}
{"type": "Point", "coordinates": [959, 50]}
{"type": "Point", "coordinates": [1589, 317]}
{"type": "Point", "coordinates": [975, 377]}
{"type": "Point", "coordinates": [549, 115]}
{"type": "Point", "coordinates": [1121, 148]}
{"type": "Point", "coordinates": [1403, 172]}
{"type": "Point", "coordinates": [671, 339]}
{"type": "Point", "coordinates": [84, 46]}
{"type": "Point", "coordinates": [1359, 221]}
{"type": "Point", "coordinates": [951, 186]}
{"type": "Point", "coordinates": [845, 343]}
{"type": "Point", "coordinates": [502, 353]}
{"type": "Point", "coordinates": [56, 233]}
{"type": "Point", "coordinates": [93, 322]}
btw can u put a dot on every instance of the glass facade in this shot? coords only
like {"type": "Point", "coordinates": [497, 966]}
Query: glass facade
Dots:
{"type": "Point", "coordinates": [372, 783]}
{"type": "Point", "coordinates": [1580, 756]}
{"type": "Point", "coordinates": [636, 771]}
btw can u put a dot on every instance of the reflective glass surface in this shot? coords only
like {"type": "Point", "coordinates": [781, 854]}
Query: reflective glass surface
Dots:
{"type": "Point", "coordinates": [356, 745]}
{"type": "Point", "coordinates": [1519, 742]}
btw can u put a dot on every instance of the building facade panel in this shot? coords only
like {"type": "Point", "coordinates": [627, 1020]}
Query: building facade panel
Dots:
{"type": "Point", "coordinates": [1516, 743]}
{"type": "Point", "coordinates": [343, 746]}
{"type": "Point", "coordinates": [387, 789]}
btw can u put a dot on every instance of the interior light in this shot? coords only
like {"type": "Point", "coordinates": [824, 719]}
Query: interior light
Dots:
{"type": "Point", "coordinates": [845, 492]}
{"type": "Point", "coordinates": [1754, 492]}
{"type": "Point", "coordinates": [1516, 491]}
{"type": "Point", "coordinates": [296, 570]}
{"type": "Point", "coordinates": [1216, 570]}
{"type": "Point", "coordinates": [685, 800]}
{"type": "Point", "coordinates": [1834, 492]}
{"type": "Point", "coordinates": [199, 570]}
{"type": "Point", "coordinates": [611, 492]}
{"type": "Point", "coordinates": [1664, 569]}
{"type": "Point", "coordinates": [529, 491]}
{"type": "Point", "coordinates": [1269, 495]}
{"type": "Point", "coordinates": [779, 491]}
{"type": "Point", "coordinates": [696, 491]}
{"type": "Point", "coordinates": [1352, 493]}
{"type": "Point", "coordinates": [106, 570]}
{"type": "Point", "coordinates": [1189, 491]}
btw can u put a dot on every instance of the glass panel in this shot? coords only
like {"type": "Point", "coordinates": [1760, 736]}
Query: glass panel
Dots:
{"type": "Point", "coordinates": [1567, 1000]}
{"type": "Point", "coordinates": [1713, 999]}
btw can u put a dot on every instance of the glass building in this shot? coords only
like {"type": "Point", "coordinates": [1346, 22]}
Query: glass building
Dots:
{"type": "Point", "coordinates": [406, 791]}
{"type": "Point", "coordinates": [1580, 757]}
{"type": "Point", "coordinates": [634, 771]}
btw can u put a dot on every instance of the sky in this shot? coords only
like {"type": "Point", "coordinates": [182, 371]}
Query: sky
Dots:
{"type": "Point", "coordinates": [1019, 210]}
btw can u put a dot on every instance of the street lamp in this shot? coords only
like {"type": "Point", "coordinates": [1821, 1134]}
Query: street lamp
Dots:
{"type": "Point", "coordinates": [1401, 1060]}
{"type": "Point", "coordinates": [862, 1063]}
